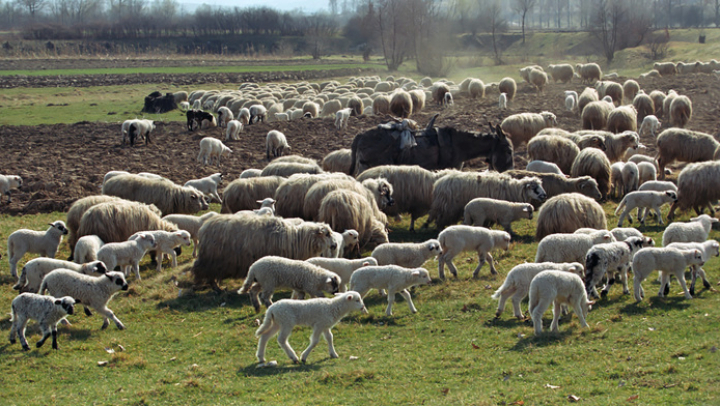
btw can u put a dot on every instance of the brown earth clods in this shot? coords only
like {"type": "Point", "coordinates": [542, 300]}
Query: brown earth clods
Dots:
{"type": "Point", "coordinates": [61, 163]}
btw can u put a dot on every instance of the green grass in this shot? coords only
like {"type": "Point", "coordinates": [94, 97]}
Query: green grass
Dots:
{"type": "Point", "coordinates": [185, 347]}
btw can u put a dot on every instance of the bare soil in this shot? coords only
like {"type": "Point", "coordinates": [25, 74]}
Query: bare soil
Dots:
{"type": "Point", "coordinates": [61, 163]}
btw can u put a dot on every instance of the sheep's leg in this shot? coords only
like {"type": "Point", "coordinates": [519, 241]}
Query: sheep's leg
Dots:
{"type": "Point", "coordinates": [674, 206]}
{"type": "Point", "coordinates": [680, 275]}
{"type": "Point", "coordinates": [136, 267]}
{"type": "Point", "coordinates": [637, 285]}
{"type": "Point", "coordinates": [412, 222]}
{"type": "Point", "coordinates": [557, 309]}
{"type": "Point", "coordinates": [579, 312]}
{"type": "Point", "coordinates": [702, 274]}
{"type": "Point", "coordinates": [282, 339]}
{"type": "Point", "coordinates": [504, 296]}
{"type": "Point", "coordinates": [481, 262]}
{"type": "Point", "coordinates": [110, 315]}
{"type": "Point", "coordinates": [314, 340]}
{"type": "Point", "coordinates": [390, 300]}
{"type": "Point", "coordinates": [195, 246]}
{"type": "Point", "coordinates": [536, 314]}
{"type": "Point", "coordinates": [46, 334]}
{"type": "Point", "coordinates": [173, 256]}
{"type": "Point", "coordinates": [452, 267]}
{"type": "Point", "coordinates": [621, 220]}
{"type": "Point", "coordinates": [491, 261]}
{"type": "Point", "coordinates": [266, 297]}
{"type": "Point", "coordinates": [516, 301]}
{"type": "Point", "coordinates": [406, 295]}
{"type": "Point", "coordinates": [54, 338]}
{"type": "Point", "coordinates": [693, 279]}
{"type": "Point", "coordinates": [441, 266]}
{"type": "Point", "coordinates": [87, 311]}
{"type": "Point", "coordinates": [624, 277]}
{"type": "Point", "coordinates": [262, 343]}
{"type": "Point", "coordinates": [665, 280]}
{"type": "Point", "coordinates": [331, 347]}
{"type": "Point", "coordinates": [13, 265]}
{"type": "Point", "coordinates": [659, 216]}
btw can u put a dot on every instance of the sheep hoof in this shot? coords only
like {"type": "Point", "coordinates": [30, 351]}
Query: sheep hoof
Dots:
{"type": "Point", "coordinates": [39, 344]}
{"type": "Point", "coordinates": [666, 291]}
{"type": "Point", "coordinates": [26, 348]}
{"type": "Point", "coordinates": [692, 292]}
{"type": "Point", "coordinates": [87, 312]}
{"type": "Point", "coordinates": [706, 284]}
{"type": "Point", "coordinates": [603, 293]}
{"type": "Point", "coordinates": [13, 341]}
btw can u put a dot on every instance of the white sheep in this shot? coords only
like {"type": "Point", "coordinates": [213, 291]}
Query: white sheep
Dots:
{"type": "Point", "coordinates": [540, 166]}
{"type": "Point", "coordinates": [166, 242]}
{"type": "Point", "coordinates": [570, 247]}
{"type": "Point", "coordinates": [47, 310]}
{"type": "Point", "coordinates": [484, 212]}
{"type": "Point", "coordinates": [696, 230]}
{"type": "Point", "coordinates": [647, 172]}
{"type": "Point", "coordinates": [250, 173]}
{"type": "Point", "coordinates": [212, 148]}
{"type": "Point", "coordinates": [244, 116]}
{"type": "Point", "coordinates": [127, 254]}
{"type": "Point", "coordinates": [275, 143]}
{"type": "Point", "coordinates": [456, 239]}
{"type": "Point", "coordinates": [271, 272]}
{"type": "Point", "coordinates": [91, 291]}
{"type": "Point", "coordinates": [257, 113]}
{"type": "Point", "coordinates": [86, 249]}
{"type": "Point", "coordinates": [709, 248]}
{"type": "Point", "coordinates": [233, 130]}
{"type": "Point", "coordinates": [35, 270]}
{"type": "Point", "coordinates": [517, 283]}
{"type": "Point", "coordinates": [651, 125]}
{"type": "Point", "coordinates": [208, 185]}
{"type": "Point", "coordinates": [611, 259]}
{"type": "Point", "coordinates": [184, 106]}
{"type": "Point", "coordinates": [346, 239]}
{"type": "Point", "coordinates": [502, 101]}
{"type": "Point", "coordinates": [393, 278]}
{"type": "Point", "coordinates": [558, 288]}
{"type": "Point", "coordinates": [44, 243]}
{"type": "Point", "coordinates": [341, 118]}
{"type": "Point", "coordinates": [321, 314]}
{"type": "Point", "coordinates": [282, 117]}
{"type": "Point", "coordinates": [224, 116]}
{"type": "Point", "coordinates": [7, 183]}
{"type": "Point", "coordinates": [191, 224]}
{"type": "Point", "coordinates": [668, 261]}
{"type": "Point", "coordinates": [408, 255]}
{"type": "Point", "coordinates": [343, 267]}
{"type": "Point", "coordinates": [630, 176]}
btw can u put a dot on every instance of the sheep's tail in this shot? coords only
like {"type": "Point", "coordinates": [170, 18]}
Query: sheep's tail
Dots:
{"type": "Point", "coordinates": [267, 323]}
{"type": "Point", "coordinates": [534, 299]}
{"type": "Point", "coordinates": [621, 205]}
{"type": "Point", "coordinates": [249, 280]}
{"type": "Point", "coordinates": [22, 281]}
{"type": "Point", "coordinates": [507, 285]}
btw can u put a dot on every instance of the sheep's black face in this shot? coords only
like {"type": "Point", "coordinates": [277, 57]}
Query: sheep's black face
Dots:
{"type": "Point", "coordinates": [100, 267]}
{"type": "Point", "coordinates": [69, 309]}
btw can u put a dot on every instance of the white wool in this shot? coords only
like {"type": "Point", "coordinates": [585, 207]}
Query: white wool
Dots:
{"type": "Point", "coordinates": [233, 130]}
{"type": "Point", "coordinates": [275, 143]}
{"type": "Point", "coordinates": [212, 148]}
{"type": "Point", "coordinates": [456, 239]}
{"type": "Point", "coordinates": [166, 242]}
{"type": "Point", "coordinates": [670, 261]}
{"type": "Point", "coordinates": [543, 167]}
{"type": "Point", "coordinates": [25, 241]}
{"type": "Point", "coordinates": [208, 185]}
{"type": "Point", "coordinates": [481, 210]}
{"type": "Point", "coordinates": [569, 247]}
{"type": "Point", "coordinates": [7, 183]}
{"type": "Point", "coordinates": [709, 249]}
{"type": "Point", "coordinates": [611, 259]}
{"type": "Point", "coordinates": [558, 288]}
{"type": "Point", "coordinates": [393, 278]}
{"type": "Point", "coordinates": [35, 270]}
{"type": "Point", "coordinates": [127, 254]}
{"type": "Point", "coordinates": [341, 118]}
{"type": "Point", "coordinates": [191, 224]}
{"type": "Point", "coordinates": [407, 255]}
{"type": "Point", "coordinates": [47, 310]}
{"type": "Point", "coordinates": [343, 267]}
{"type": "Point", "coordinates": [86, 249]}
{"type": "Point", "coordinates": [696, 230]}
{"type": "Point", "coordinates": [648, 199]}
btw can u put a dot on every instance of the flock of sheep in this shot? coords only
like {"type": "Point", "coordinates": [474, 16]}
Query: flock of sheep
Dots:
{"type": "Point", "coordinates": [290, 225]}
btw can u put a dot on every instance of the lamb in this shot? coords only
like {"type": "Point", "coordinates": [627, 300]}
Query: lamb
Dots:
{"type": "Point", "coordinates": [570, 102]}
{"type": "Point", "coordinates": [208, 185]}
{"type": "Point", "coordinates": [212, 148]}
{"type": "Point", "coordinates": [589, 72]}
{"type": "Point", "coordinates": [517, 283]}
{"type": "Point", "coordinates": [321, 314]}
{"type": "Point", "coordinates": [128, 254]}
{"type": "Point", "coordinates": [543, 167]}
{"type": "Point", "coordinates": [668, 261]}
{"type": "Point", "coordinates": [594, 163]}
{"type": "Point", "coordinates": [680, 111]}
{"type": "Point", "coordinates": [344, 240]}
{"type": "Point", "coordinates": [7, 183]}
{"type": "Point", "coordinates": [344, 268]}
{"type": "Point", "coordinates": [570, 247]}
{"type": "Point", "coordinates": [407, 255]}
{"type": "Point", "coordinates": [621, 119]}
{"type": "Point", "coordinates": [650, 124]}
{"type": "Point", "coordinates": [609, 259]}
{"type": "Point", "coordinates": [644, 199]}
{"type": "Point", "coordinates": [659, 185]}
{"type": "Point", "coordinates": [166, 196]}
{"type": "Point", "coordinates": [139, 128]}
{"type": "Point", "coordinates": [559, 288]}
{"type": "Point", "coordinates": [272, 272]}
{"type": "Point", "coordinates": [25, 241]}
{"type": "Point", "coordinates": [35, 270]}
{"type": "Point", "coordinates": [562, 72]}
{"type": "Point", "coordinates": [257, 113]}
{"type": "Point", "coordinates": [522, 127]}
{"type": "Point", "coordinates": [276, 143]}
{"type": "Point", "coordinates": [338, 161]}
{"type": "Point", "coordinates": [224, 116]}
{"type": "Point", "coordinates": [485, 212]}
{"type": "Point", "coordinates": [566, 213]}
{"type": "Point", "coordinates": [684, 145]}
{"type": "Point", "coordinates": [553, 148]}
{"type": "Point", "coordinates": [166, 243]}
{"type": "Point", "coordinates": [47, 310]}
{"type": "Point", "coordinates": [696, 230]}
{"type": "Point", "coordinates": [709, 248]}
{"type": "Point", "coordinates": [91, 291]}
{"type": "Point", "coordinates": [393, 278]}
{"type": "Point", "coordinates": [502, 101]}
{"type": "Point", "coordinates": [243, 194]}
{"type": "Point", "coordinates": [595, 114]}
{"type": "Point", "coordinates": [509, 87]}
{"type": "Point", "coordinates": [448, 99]}
{"type": "Point", "coordinates": [587, 96]}
{"type": "Point", "coordinates": [244, 116]}
{"type": "Point", "coordinates": [233, 130]}
{"type": "Point", "coordinates": [647, 172]}
{"type": "Point", "coordinates": [630, 177]}
{"type": "Point", "coordinates": [341, 118]}
{"type": "Point", "coordinates": [456, 239]}
{"type": "Point", "coordinates": [86, 249]}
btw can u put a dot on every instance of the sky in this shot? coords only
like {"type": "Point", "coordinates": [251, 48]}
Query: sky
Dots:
{"type": "Point", "coordinates": [283, 5]}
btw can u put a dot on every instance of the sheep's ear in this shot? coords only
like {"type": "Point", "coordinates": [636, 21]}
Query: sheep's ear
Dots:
{"type": "Point", "coordinates": [328, 280]}
{"type": "Point", "coordinates": [259, 201]}
{"type": "Point", "coordinates": [366, 263]}
{"type": "Point", "coordinates": [416, 273]}
{"type": "Point", "coordinates": [58, 301]}
{"type": "Point", "coordinates": [525, 209]}
{"type": "Point", "coordinates": [349, 298]}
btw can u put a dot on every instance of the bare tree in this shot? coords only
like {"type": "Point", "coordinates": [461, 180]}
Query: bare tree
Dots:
{"type": "Point", "coordinates": [333, 4]}
{"type": "Point", "coordinates": [32, 6]}
{"type": "Point", "coordinates": [606, 26]}
{"type": "Point", "coordinates": [522, 7]}
{"type": "Point", "coordinates": [393, 26]}
{"type": "Point", "coordinates": [493, 22]}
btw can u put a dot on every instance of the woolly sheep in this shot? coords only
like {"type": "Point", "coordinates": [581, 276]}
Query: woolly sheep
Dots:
{"type": "Point", "coordinates": [611, 259]}
{"type": "Point", "coordinates": [345, 209]}
{"type": "Point", "coordinates": [570, 247]}
{"type": "Point", "coordinates": [47, 310]}
{"type": "Point", "coordinates": [644, 106]}
{"type": "Point", "coordinates": [439, 90]}
{"type": "Point", "coordinates": [658, 98]}
{"type": "Point", "coordinates": [484, 212]}
{"type": "Point", "coordinates": [286, 169]}
{"type": "Point", "coordinates": [566, 213]}
{"type": "Point", "coordinates": [555, 185]}
{"type": "Point", "coordinates": [476, 88]}
{"type": "Point", "coordinates": [7, 183]}
{"type": "Point", "coordinates": [543, 167]}
{"type": "Point", "coordinates": [669, 261]}
{"type": "Point", "coordinates": [35, 270]}
{"type": "Point", "coordinates": [623, 118]}
{"type": "Point", "coordinates": [696, 230]}
{"type": "Point", "coordinates": [555, 149]}
{"type": "Point", "coordinates": [558, 288]}
{"type": "Point", "coordinates": [456, 239]}
{"type": "Point", "coordinates": [647, 172]}
{"type": "Point", "coordinates": [407, 255]}
{"type": "Point", "coordinates": [612, 89]}
{"type": "Point", "coordinates": [91, 291]}
{"type": "Point", "coordinates": [244, 116]}
{"type": "Point", "coordinates": [321, 314]}
{"type": "Point", "coordinates": [562, 72]}
{"type": "Point", "coordinates": [667, 102]}
{"type": "Point", "coordinates": [378, 193]}
{"type": "Point", "coordinates": [594, 163]}
{"type": "Point", "coordinates": [588, 95]}
{"type": "Point", "coordinates": [275, 143]}
{"type": "Point", "coordinates": [25, 241]}
{"type": "Point", "coordinates": [393, 278]}
{"type": "Point", "coordinates": [665, 68]}
{"type": "Point", "coordinates": [243, 194]}
{"type": "Point", "coordinates": [595, 114]}
{"type": "Point", "coordinates": [680, 111]}
{"type": "Point", "coordinates": [538, 78]}
{"type": "Point", "coordinates": [290, 194]}
{"type": "Point", "coordinates": [271, 272]}
{"type": "Point", "coordinates": [678, 144]}
{"type": "Point", "coordinates": [341, 118]}
{"type": "Point", "coordinates": [233, 130]}
{"type": "Point", "coordinates": [250, 173]}
{"type": "Point", "coordinates": [589, 72]}
{"type": "Point", "coordinates": [166, 196]}
{"type": "Point", "coordinates": [344, 268]}
{"type": "Point", "coordinates": [191, 224]}
{"type": "Point", "coordinates": [381, 105]}
{"type": "Point", "coordinates": [653, 73]}
{"type": "Point", "coordinates": [509, 87]}
{"type": "Point", "coordinates": [630, 90]}
{"type": "Point", "coordinates": [212, 148]}
{"type": "Point", "coordinates": [127, 254]}
{"type": "Point", "coordinates": [224, 116]}
{"type": "Point", "coordinates": [522, 127]}
{"type": "Point", "coordinates": [257, 113]}
{"type": "Point", "coordinates": [310, 109]}
{"type": "Point", "coordinates": [650, 124]}
{"type": "Point", "coordinates": [697, 187]}
{"type": "Point", "coordinates": [401, 104]}
{"type": "Point", "coordinates": [630, 177]}
{"type": "Point", "coordinates": [86, 249]}
{"type": "Point", "coordinates": [517, 283]}
{"type": "Point", "coordinates": [525, 72]}
{"type": "Point", "coordinates": [166, 243]}
{"type": "Point", "coordinates": [338, 161]}
{"type": "Point", "coordinates": [570, 103]}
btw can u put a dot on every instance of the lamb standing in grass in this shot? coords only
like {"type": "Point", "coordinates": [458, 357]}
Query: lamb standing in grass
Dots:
{"type": "Point", "coordinates": [127, 254]}
{"type": "Point", "coordinates": [212, 148]}
{"type": "Point", "coordinates": [35, 270]}
{"type": "Point", "coordinates": [709, 248]}
{"type": "Point", "coordinates": [7, 183]}
{"type": "Point", "coordinates": [47, 310]}
{"type": "Point", "coordinates": [696, 230]}
{"type": "Point", "coordinates": [86, 249]}
{"type": "Point", "coordinates": [191, 224]}
{"type": "Point", "coordinates": [559, 288]}
{"type": "Point", "coordinates": [609, 259]}
{"type": "Point", "coordinates": [668, 261]}
{"type": "Point", "coordinates": [483, 212]}
{"type": "Point", "coordinates": [321, 314]}
{"type": "Point", "coordinates": [517, 283]}
{"type": "Point", "coordinates": [343, 267]}
{"type": "Point", "coordinates": [645, 199]}
{"type": "Point", "coordinates": [91, 291]}
{"type": "Point", "coordinates": [44, 243]}
{"type": "Point", "coordinates": [570, 247]}
{"type": "Point", "coordinates": [456, 239]}
{"type": "Point", "coordinates": [166, 243]}
{"type": "Point", "coordinates": [393, 278]}
{"type": "Point", "coordinates": [207, 185]}
{"type": "Point", "coordinates": [408, 255]}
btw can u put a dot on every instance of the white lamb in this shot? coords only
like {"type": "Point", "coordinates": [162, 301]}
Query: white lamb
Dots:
{"type": "Point", "coordinates": [407, 255]}
{"type": "Point", "coordinates": [275, 143]}
{"type": "Point", "coordinates": [484, 212]}
{"type": "Point", "coordinates": [709, 248]}
{"type": "Point", "coordinates": [668, 261]}
{"type": "Point", "coordinates": [570, 103]}
{"type": "Point", "coordinates": [271, 272]}
{"type": "Point", "coordinates": [212, 148]}
{"type": "Point", "coordinates": [558, 288]}
{"type": "Point", "coordinates": [647, 172]}
{"type": "Point", "coordinates": [44, 243]}
{"type": "Point", "coordinates": [244, 116]}
{"type": "Point", "coordinates": [47, 310]}
{"type": "Point", "coordinates": [696, 230]}
{"type": "Point", "coordinates": [611, 259]}
{"type": "Point", "coordinates": [86, 249]}
{"type": "Point", "coordinates": [282, 117]}
{"type": "Point", "coordinates": [208, 185]}
{"type": "Point", "coordinates": [321, 314]}
{"type": "Point", "coordinates": [570, 247]}
{"type": "Point", "coordinates": [341, 118]}
{"type": "Point", "coordinates": [348, 238]}
{"type": "Point", "coordinates": [517, 283]}
{"type": "Point", "coordinates": [233, 130]}
{"type": "Point", "coordinates": [393, 278]}
{"type": "Point", "coordinates": [544, 167]}
{"type": "Point", "coordinates": [343, 267]}
{"type": "Point", "coordinates": [7, 183]}
{"type": "Point", "coordinates": [650, 124]}
{"type": "Point", "coordinates": [127, 254]}
{"type": "Point", "coordinates": [224, 116]}
{"type": "Point", "coordinates": [166, 242]}
{"type": "Point", "coordinates": [191, 224]}
{"type": "Point", "coordinates": [91, 291]}
{"type": "Point", "coordinates": [502, 101]}
{"type": "Point", "coordinates": [645, 199]}
{"type": "Point", "coordinates": [456, 239]}
{"type": "Point", "coordinates": [35, 270]}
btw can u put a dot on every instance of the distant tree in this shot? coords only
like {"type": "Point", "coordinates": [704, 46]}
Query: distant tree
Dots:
{"type": "Point", "coordinates": [333, 5]}
{"type": "Point", "coordinates": [492, 21]}
{"type": "Point", "coordinates": [606, 25]}
{"type": "Point", "coordinates": [393, 27]}
{"type": "Point", "coordinates": [32, 6]}
{"type": "Point", "coordinates": [522, 7]}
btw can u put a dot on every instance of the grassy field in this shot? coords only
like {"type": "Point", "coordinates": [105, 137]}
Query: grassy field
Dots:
{"type": "Point", "coordinates": [185, 347]}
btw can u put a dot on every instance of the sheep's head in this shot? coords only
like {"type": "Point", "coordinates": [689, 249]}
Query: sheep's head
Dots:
{"type": "Point", "coordinates": [117, 279]}
{"type": "Point", "coordinates": [98, 267]}
{"type": "Point", "coordinates": [422, 276]}
{"type": "Point", "coordinates": [14, 181]}
{"type": "Point", "coordinates": [672, 196]}
{"type": "Point", "coordinates": [433, 246]}
{"type": "Point", "coordinates": [550, 119]}
{"type": "Point", "coordinates": [528, 210]}
{"type": "Point", "coordinates": [354, 299]}
{"type": "Point", "coordinates": [60, 226]}
{"type": "Point", "coordinates": [588, 186]}
{"type": "Point", "coordinates": [534, 189]}
{"type": "Point", "coordinates": [67, 304]}
{"type": "Point", "coordinates": [332, 284]}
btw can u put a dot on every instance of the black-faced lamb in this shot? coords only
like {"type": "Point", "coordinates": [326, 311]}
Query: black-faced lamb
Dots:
{"type": "Point", "coordinates": [8, 183]}
{"type": "Point", "coordinates": [35, 270]}
{"type": "Point", "coordinates": [485, 212]}
{"type": "Point", "coordinates": [47, 310]}
{"type": "Point", "coordinates": [456, 239]}
{"type": "Point", "coordinates": [669, 261]}
{"type": "Point", "coordinates": [611, 259]}
{"type": "Point", "coordinates": [25, 241]}
{"type": "Point", "coordinates": [570, 247]}
{"type": "Point", "coordinates": [557, 287]}
{"type": "Point", "coordinates": [393, 278]}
